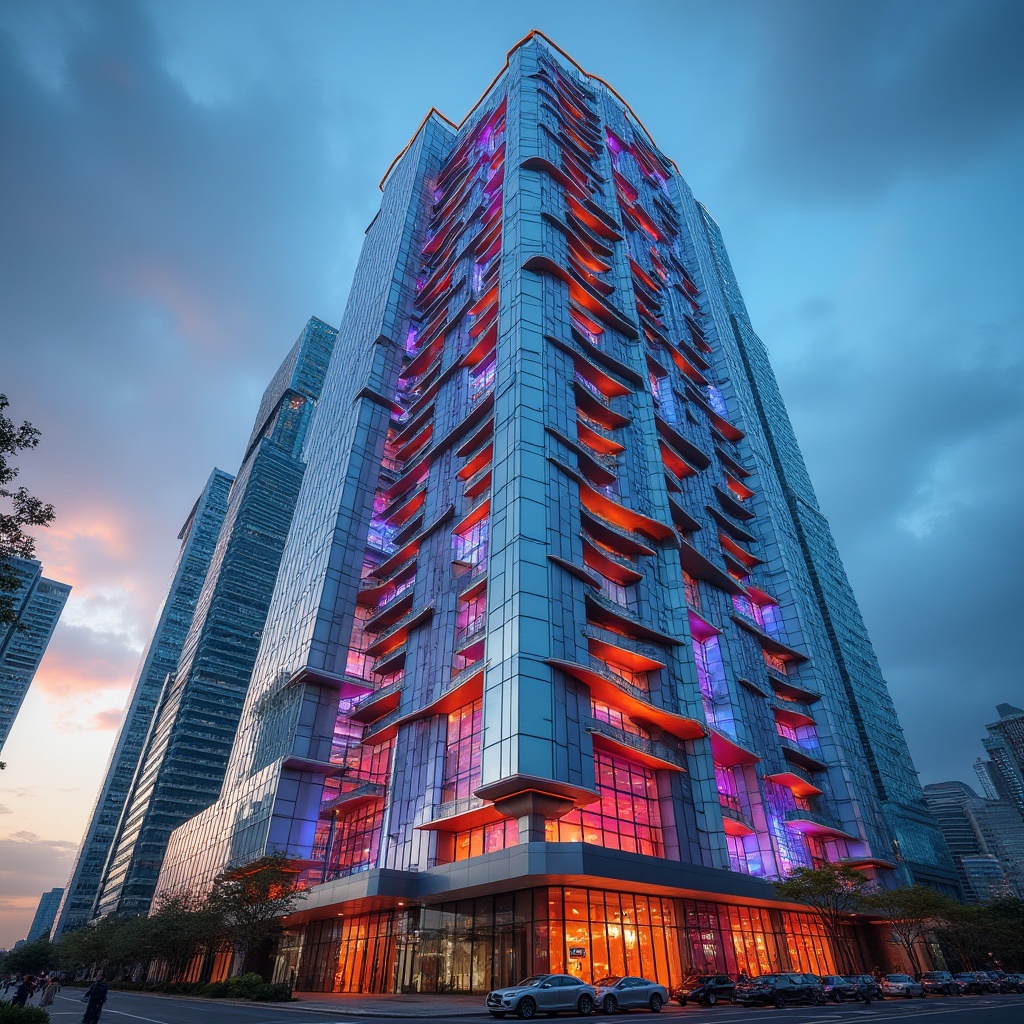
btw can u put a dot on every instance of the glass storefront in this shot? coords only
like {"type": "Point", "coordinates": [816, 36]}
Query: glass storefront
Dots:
{"type": "Point", "coordinates": [475, 945]}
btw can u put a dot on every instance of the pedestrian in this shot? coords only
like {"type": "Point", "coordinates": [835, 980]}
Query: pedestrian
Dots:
{"type": "Point", "coordinates": [50, 989]}
{"type": "Point", "coordinates": [22, 992]}
{"type": "Point", "coordinates": [95, 997]}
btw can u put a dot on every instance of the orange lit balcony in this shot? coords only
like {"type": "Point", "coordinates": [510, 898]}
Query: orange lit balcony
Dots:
{"type": "Point", "coordinates": [791, 713]}
{"type": "Point", "coordinates": [795, 779]}
{"type": "Point", "coordinates": [460, 815]}
{"type": "Point", "coordinates": [378, 704]}
{"type": "Point", "coordinates": [612, 689]}
{"type": "Point", "coordinates": [398, 633]}
{"type": "Point", "coordinates": [358, 796]}
{"type": "Point", "coordinates": [702, 568]}
{"type": "Point", "coordinates": [819, 824]}
{"type": "Point", "coordinates": [735, 822]}
{"type": "Point", "coordinates": [390, 610]}
{"type": "Point", "coordinates": [728, 753]}
{"type": "Point", "coordinates": [608, 567]}
{"type": "Point", "coordinates": [646, 751]}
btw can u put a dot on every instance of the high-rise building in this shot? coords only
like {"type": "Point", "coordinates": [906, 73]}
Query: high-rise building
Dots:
{"type": "Point", "coordinates": [562, 666]}
{"type": "Point", "coordinates": [38, 603]}
{"type": "Point", "coordinates": [198, 537]}
{"type": "Point", "coordinates": [1004, 745]}
{"type": "Point", "coordinates": [181, 766]}
{"type": "Point", "coordinates": [983, 835]}
{"type": "Point", "coordinates": [45, 913]}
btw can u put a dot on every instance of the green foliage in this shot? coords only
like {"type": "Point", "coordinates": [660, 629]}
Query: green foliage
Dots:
{"type": "Point", "coordinates": [251, 900]}
{"type": "Point", "coordinates": [32, 958]}
{"type": "Point", "coordinates": [279, 993]}
{"type": "Point", "coordinates": [11, 1014]}
{"type": "Point", "coordinates": [911, 912]}
{"type": "Point", "coordinates": [833, 892]}
{"type": "Point", "coordinates": [18, 510]}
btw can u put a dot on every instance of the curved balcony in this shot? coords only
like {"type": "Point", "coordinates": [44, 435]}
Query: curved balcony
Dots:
{"type": "Point", "coordinates": [391, 609]}
{"type": "Point", "coordinates": [617, 692]}
{"type": "Point", "coordinates": [371, 588]}
{"type": "Point", "coordinates": [796, 779]}
{"type": "Point", "coordinates": [728, 753]}
{"type": "Point", "coordinates": [769, 643]}
{"type": "Point", "coordinates": [382, 730]}
{"type": "Point", "coordinates": [603, 611]}
{"type": "Point", "coordinates": [789, 688]}
{"type": "Point", "coordinates": [816, 823]}
{"type": "Point", "coordinates": [806, 757]}
{"type": "Point", "coordinates": [793, 713]}
{"type": "Point", "coordinates": [358, 796]}
{"type": "Point", "coordinates": [649, 752]}
{"type": "Point", "coordinates": [459, 815]}
{"type": "Point", "coordinates": [683, 445]}
{"type": "Point", "coordinates": [390, 661]}
{"type": "Point", "coordinates": [621, 540]}
{"type": "Point", "coordinates": [731, 505]}
{"type": "Point", "coordinates": [399, 632]}
{"type": "Point", "coordinates": [378, 704]}
{"type": "Point", "coordinates": [701, 567]}
{"type": "Point", "coordinates": [735, 822]}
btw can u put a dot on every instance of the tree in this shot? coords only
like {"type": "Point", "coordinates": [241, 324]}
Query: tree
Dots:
{"type": "Point", "coordinates": [18, 511]}
{"type": "Point", "coordinates": [911, 911]}
{"type": "Point", "coordinates": [251, 900]}
{"type": "Point", "coordinates": [961, 932]}
{"type": "Point", "coordinates": [182, 929]}
{"type": "Point", "coordinates": [833, 892]}
{"type": "Point", "coordinates": [32, 958]}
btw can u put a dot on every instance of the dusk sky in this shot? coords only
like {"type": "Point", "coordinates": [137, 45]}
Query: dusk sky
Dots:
{"type": "Point", "coordinates": [184, 184]}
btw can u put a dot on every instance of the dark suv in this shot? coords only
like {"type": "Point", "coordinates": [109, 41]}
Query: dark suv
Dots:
{"type": "Point", "coordinates": [779, 990]}
{"type": "Point", "coordinates": [838, 988]}
{"type": "Point", "coordinates": [867, 987]}
{"type": "Point", "coordinates": [705, 988]}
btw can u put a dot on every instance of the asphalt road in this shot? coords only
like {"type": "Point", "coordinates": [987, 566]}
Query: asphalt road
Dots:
{"type": "Point", "coordinates": [131, 1007]}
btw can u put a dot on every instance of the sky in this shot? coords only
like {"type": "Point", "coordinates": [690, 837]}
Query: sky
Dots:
{"type": "Point", "coordinates": [185, 183]}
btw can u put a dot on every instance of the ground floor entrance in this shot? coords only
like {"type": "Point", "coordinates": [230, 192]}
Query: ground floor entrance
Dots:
{"type": "Point", "coordinates": [478, 944]}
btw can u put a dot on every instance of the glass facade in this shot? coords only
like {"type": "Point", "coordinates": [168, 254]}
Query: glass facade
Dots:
{"type": "Point", "coordinates": [478, 944]}
{"type": "Point", "coordinates": [556, 567]}
{"type": "Point", "coordinates": [181, 767]}
{"type": "Point", "coordinates": [198, 538]}
{"type": "Point", "coordinates": [38, 603]}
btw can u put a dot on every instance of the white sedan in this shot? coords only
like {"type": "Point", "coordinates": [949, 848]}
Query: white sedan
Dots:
{"type": "Point", "coordinates": [901, 985]}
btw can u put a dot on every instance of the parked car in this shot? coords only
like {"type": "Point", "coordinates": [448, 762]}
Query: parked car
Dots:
{"type": "Point", "coordinates": [940, 983]}
{"type": "Point", "coordinates": [969, 983]}
{"type": "Point", "coordinates": [901, 985]}
{"type": "Point", "coordinates": [615, 993]}
{"type": "Point", "coordinates": [778, 990]}
{"type": "Point", "coordinates": [867, 987]}
{"type": "Point", "coordinates": [986, 982]}
{"type": "Point", "coordinates": [547, 993]}
{"type": "Point", "coordinates": [1006, 982]}
{"type": "Point", "coordinates": [838, 988]}
{"type": "Point", "coordinates": [705, 988]}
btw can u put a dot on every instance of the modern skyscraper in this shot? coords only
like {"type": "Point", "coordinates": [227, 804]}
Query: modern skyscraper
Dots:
{"type": "Point", "coordinates": [561, 666]}
{"type": "Point", "coordinates": [37, 605]}
{"type": "Point", "coordinates": [182, 764]}
{"type": "Point", "coordinates": [1004, 745]}
{"type": "Point", "coordinates": [198, 538]}
{"type": "Point", "coordinates": [45, 913]}
{"type": "Point", "coordinates": [985, 838]}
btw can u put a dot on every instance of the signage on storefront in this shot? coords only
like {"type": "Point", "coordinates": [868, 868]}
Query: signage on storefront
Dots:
{"type": "Point", "coordinates": [578, 952]}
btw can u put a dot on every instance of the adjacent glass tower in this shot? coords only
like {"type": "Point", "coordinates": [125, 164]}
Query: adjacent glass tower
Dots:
{"type": "Point", "coordinates": [181, 764]}
{"type": "Point", "coordinates": [38, 603]}
{"type": "Point", "coordinates": [198, 538]}
{"type": "Point", "coordinates": [561, 666]}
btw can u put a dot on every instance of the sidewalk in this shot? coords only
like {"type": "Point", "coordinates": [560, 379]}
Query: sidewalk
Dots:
{"type": "Point", "coordinates": [413, 1004]}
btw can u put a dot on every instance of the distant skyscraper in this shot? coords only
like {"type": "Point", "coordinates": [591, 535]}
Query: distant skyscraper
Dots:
{"type": "Point", "coordinates": [37, 604]}
{"type": "Point", "coordinates": [182, 766]}
{"type": "Point", "coordinates": [45, 914]}
{"type": "Point", "coordinates": [198, 537]}
{"type": "Point", "coordinates": [562, 666]}
{"type": "Point", "coordinates": [982, 834]}
{"type": "Point", "coordinates": [1005, 748]}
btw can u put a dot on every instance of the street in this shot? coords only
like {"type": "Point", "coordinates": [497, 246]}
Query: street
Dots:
{"type": "Point", "coordinates": [126, 1007]}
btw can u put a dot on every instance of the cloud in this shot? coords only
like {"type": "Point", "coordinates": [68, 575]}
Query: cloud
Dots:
{"type": "Point", "coordinates": [849, 97]}
{"type": "Point", "coordinates": [106, 720]}
{"type": "Point", "coordinates": [30, 865]}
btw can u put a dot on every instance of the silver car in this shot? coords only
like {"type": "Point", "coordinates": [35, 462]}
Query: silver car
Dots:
{"type": "Point", "coordinates": [901, 985]}
{"type": "Point", "coordinates": [544, 993]}
{"type": "Point", "coordinates": [615, 993]}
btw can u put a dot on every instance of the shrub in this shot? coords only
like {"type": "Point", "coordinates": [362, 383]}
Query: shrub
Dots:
{"type": "Point", "coordinates": [11, 1014]}
{"type": "Point", "coordinates": [279, 993]}
{"type": "Point", "coordinates": [215, 990]}
{"type": "Point", "coordinates": [245, 986]}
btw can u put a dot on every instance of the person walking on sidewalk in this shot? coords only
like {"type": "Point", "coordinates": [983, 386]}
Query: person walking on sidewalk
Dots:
{"type": "Point", "coordinates": [96, 997]}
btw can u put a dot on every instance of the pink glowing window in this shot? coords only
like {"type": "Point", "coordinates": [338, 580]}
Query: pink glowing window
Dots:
{"type": "Point", "coordinates": [471, 545]}
{"type": "Point", "coordinates": [357, 664]}
{"type": "Point", "coordinates": [498, 835]}
{"type": "Point", "coordinates": [628, 816]}
{"type": "Point", "coordinates": [462, 754]}
{"type": "Point", "coordinates": [692, 591]}
{"type": "Point", "coordinates": [356, 841]}
{"type": "Point", "coordinates": [612, 716]}
{"type": "Point", "coordinates": [482, 381]}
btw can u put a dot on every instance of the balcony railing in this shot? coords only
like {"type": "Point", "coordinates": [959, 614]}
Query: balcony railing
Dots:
{"type": "Point", "coordinates": [643, 744]}
{"type": "Point", "coordinates": [450, 808]}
